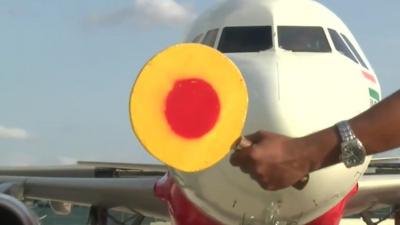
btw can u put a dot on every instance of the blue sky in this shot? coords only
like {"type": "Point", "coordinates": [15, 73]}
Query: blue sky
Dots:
{"type": "Point", "coordinates": [67, 68]}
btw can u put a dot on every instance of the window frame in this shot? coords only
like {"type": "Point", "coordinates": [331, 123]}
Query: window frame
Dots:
{"type": "Point", "coordinates": [319, 28]}
{"type": "Point", "coordinates": [354, 50]}
{"type": "Point", "coordinates": [353, 58]}
{"type": "Point", "coordinates": [211, 43]}
{"type": "Point", "coordinates": [269, 45]}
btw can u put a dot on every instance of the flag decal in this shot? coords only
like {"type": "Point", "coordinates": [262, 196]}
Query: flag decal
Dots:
{"type": "Point", "coordinates": [374, 94]}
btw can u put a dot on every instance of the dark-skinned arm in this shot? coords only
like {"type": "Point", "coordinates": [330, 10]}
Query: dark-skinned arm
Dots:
{"type": "Point", "coordinates": [276, 161]}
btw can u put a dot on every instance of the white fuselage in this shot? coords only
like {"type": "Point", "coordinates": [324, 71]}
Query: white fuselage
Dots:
{"type": "Point", "coordinates": [290, 92]}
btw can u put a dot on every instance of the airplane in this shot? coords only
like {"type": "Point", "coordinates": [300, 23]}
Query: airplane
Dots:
{"type": "Point", "coordinates": [304, 71]}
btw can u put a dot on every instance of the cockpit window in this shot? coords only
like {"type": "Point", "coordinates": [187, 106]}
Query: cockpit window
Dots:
{"type": "Point", "coordinates": [245, 39]}
{"type": "Point", "coordinates": [197, 39]}
{"type": "Point", "coordinates": [303, 39]}
{"type": "Point", "coordinates": [210, 37]}
{"type": "Point", "coordinates": [353, 49]}
{"type": "Point", "coordinates": [340, 45]}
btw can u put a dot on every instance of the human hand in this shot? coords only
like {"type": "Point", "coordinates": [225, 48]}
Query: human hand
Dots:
{"type": "Point", "coordinates": [274, 161]}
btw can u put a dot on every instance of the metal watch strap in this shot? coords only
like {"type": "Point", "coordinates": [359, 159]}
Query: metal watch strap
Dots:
{"type": "Point", "coordinates": [353, 152]}
{"type": "Point", "coordinates": [345, 131]}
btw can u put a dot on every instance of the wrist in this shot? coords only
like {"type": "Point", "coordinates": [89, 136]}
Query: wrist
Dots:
{"type": "Point", "coordinates": [322, 148]}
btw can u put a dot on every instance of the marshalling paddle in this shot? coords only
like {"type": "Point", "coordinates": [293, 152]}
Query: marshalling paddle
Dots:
{"type": "Point", "coordinates": [188, 106]}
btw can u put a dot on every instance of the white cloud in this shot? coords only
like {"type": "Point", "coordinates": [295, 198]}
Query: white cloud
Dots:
{"type": "Point", "coordinates": [13, 133]}
{"type": "Point", "coordinates": [147, 13]}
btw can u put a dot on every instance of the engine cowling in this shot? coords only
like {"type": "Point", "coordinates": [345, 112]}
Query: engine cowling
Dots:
{"type": "Point", "coordinates": [14, 212]}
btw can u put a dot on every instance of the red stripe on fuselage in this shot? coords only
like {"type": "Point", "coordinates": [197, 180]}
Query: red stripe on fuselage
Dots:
{"type": "Point", "coordinates": [369, 76]}
{"type": "Point", "coordinates": [184, 212]}
{"type": "Point", "coordinates": [335, 214]}
{"type": "Point", "coordinates": [181, 210]}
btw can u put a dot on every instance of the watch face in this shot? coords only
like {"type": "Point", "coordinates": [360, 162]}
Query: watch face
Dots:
{"type": "Point", "coordinates": [353, 153]}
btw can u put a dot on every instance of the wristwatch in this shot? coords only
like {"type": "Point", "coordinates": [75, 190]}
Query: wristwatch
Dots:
{"type": "Point", "coordinates": [353, 152]}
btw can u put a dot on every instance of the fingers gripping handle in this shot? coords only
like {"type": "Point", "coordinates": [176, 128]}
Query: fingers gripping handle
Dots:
{"type": "Point", "coordinates": [246, 143]}
{"type": "Point", "coordinates": [301, 184]}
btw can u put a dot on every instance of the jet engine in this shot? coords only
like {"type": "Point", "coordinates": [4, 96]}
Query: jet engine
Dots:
{"type": "Point", "coordinates": [14, 212]}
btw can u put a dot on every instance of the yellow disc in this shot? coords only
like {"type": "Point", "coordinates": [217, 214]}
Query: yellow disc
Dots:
{"type": "Point", "coordinates": [188, 106]}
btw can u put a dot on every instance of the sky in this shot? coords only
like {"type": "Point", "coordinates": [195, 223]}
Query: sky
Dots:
{"type": "Point", "coordinates": [67, 68]}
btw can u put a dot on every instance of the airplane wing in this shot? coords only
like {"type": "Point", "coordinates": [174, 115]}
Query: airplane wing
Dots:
{"type": "Point", "coordinates": [378, 188]}
{"type": "Point", "coordinates": [127, 187]}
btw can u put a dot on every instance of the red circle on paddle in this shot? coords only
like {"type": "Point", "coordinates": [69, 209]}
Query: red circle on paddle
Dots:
{"type": "Point", "coordinates": [192, 108]}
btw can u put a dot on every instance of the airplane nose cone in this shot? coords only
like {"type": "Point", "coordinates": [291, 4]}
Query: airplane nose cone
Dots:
{"type": "Point", "coordinates": [291, 96]}
{"type": "Point", "coordinates": [262, 79]}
